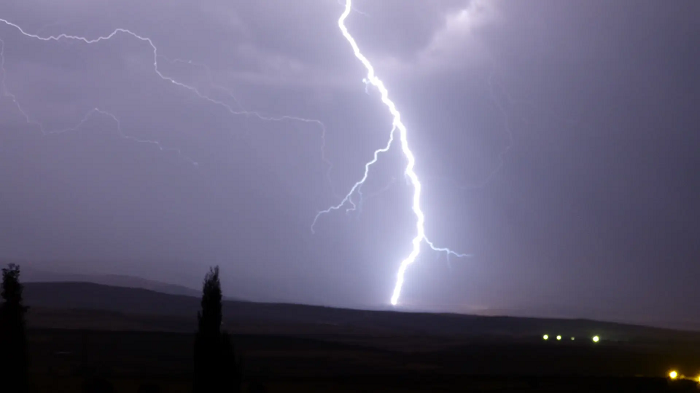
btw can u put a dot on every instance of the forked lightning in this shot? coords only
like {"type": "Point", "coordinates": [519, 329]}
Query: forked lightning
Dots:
{"type": "Point", "coordinates": [372, 79]}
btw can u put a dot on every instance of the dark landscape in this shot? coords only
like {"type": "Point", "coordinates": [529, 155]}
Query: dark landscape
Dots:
{"type": "Point", "coordinates": [134, 335]}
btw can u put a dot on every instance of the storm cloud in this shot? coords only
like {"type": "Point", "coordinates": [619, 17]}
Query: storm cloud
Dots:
{"type": "Point", "coordinates": [556, 141]}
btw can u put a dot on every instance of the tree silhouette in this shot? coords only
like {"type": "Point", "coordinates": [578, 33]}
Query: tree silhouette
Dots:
{"type": "Point", "coordinates": [13, 335]}
{"type": "Point", "coordinates": [215, 366]}
{"type": "Point", "coordinates": [233, 369]}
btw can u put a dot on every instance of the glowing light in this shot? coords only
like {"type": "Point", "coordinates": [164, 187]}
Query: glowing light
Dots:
{"type": "Point", "coordinates": [673, 375]}
{"type": "Point", "coordinates": [596, 339]}
{"type": "Point", "coordinates": [156, 56]}
{"type": "Point", "coordinates": [558, 338]}
{"type": "Point", "coordinates": [412, 177]}
{"type": "Point", "coordinates": [545, 337]}
{"type": "Point", "coordinates": [573, 338]}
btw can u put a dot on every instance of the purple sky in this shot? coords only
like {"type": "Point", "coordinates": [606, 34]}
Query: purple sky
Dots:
{"type": "Point", "coordinates": [557, 142]}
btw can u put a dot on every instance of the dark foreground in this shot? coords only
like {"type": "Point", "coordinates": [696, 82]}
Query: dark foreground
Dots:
{"type": "Point", "coordinates": [129, 336]}
{"type": "Point", "coordinates": [62, 358]}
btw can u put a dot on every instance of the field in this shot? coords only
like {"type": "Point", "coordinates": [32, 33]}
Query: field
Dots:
{"type": "Point", "coordinates": [290, 348]}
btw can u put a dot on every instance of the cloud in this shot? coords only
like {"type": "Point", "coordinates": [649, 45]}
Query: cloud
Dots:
{"type": "Point", "coordinates": [228, 17]}
{"type": "Point", "coordinates": [275, 69]}
{"type": "Point", "coordinates": [425, 39]}
{"type": "Point", "coordinates": [460, 30]}
{"type": "Point", "coordinates": [456, 43]}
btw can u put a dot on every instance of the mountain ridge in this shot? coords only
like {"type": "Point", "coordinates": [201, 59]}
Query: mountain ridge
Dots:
{"type": "Point", "coordinates": [31, 274]}
{"type": "Point", "coordinates": [143, 302]}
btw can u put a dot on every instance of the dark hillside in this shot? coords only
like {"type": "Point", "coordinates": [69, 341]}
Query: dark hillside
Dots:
{"type": "Point", "coordinates": [88, 296]}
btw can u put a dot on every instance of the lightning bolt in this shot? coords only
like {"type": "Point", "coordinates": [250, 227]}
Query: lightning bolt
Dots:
{"type": "Point", "coordinates": [94, 111]}
{"type": "Point", "coordinates": [260, 116]}
{"type": "Point", "coordinates": [410, 174]}
{"type": "Point", "coordinates": [357, 185]}
{"type": "Point", "coordinates": [364, 198]}
{"type": "Point", "coordinates": [156, 56]}
{"type": "Point", "coordinates": [371, 79]}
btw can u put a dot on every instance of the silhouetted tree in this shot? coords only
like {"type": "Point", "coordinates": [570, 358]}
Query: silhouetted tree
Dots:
{"type": "Point", "coordinates": [233, 369]}
{"type": "Point", "coordinates": [216, 368]}
{"type": "Point", "coordinates": [13, 335]}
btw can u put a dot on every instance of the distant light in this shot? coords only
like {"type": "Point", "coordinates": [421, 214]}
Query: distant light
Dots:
{"type": "Point", "coordinates": [572, 338]}
{"type": "Point", "coordinates": [596, 339]}
{"type": "Point", "coordinates": [673, 375]}
{"type": "Point", "coordinates": [545, 337]}
{"type": "Point", "coordinates": [558, 337]}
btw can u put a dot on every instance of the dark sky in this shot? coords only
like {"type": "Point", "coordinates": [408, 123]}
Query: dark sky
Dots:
{"type": "Point", "coordinates": [557, 142]}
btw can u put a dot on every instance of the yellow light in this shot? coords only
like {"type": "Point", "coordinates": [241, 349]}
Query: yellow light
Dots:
{"type": "Point", "coordinates": [673, 375]}
{"type": "Point", "coordinates": [572, 338]}
{"type": "Point", "coordinates": [545, 337]}
{"type": "Point", "coordinates": [596, 339]}
{"type": "Point", "coordinates": [558, 337]}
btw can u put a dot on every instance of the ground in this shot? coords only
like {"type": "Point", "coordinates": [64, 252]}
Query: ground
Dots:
{"type": "Point", "coordinates": [132, 337]}
{"type": "Point", "coordinates": [60, 358]}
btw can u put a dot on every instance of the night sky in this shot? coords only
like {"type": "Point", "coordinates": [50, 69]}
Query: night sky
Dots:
{"type": "Point", "coordinates": [558, 142]}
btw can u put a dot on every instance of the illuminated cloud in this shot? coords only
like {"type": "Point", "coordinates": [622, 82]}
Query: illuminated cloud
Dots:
{"type": "Point", "coordinates": [456, 43]}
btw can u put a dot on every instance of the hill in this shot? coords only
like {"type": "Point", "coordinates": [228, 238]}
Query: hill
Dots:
{"type": "Point", "coordinates": [32, 274]}
{"type": "Point", "coordinates": [180, 311]}
{"type": "Point", "coordinates": [135, 334]}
